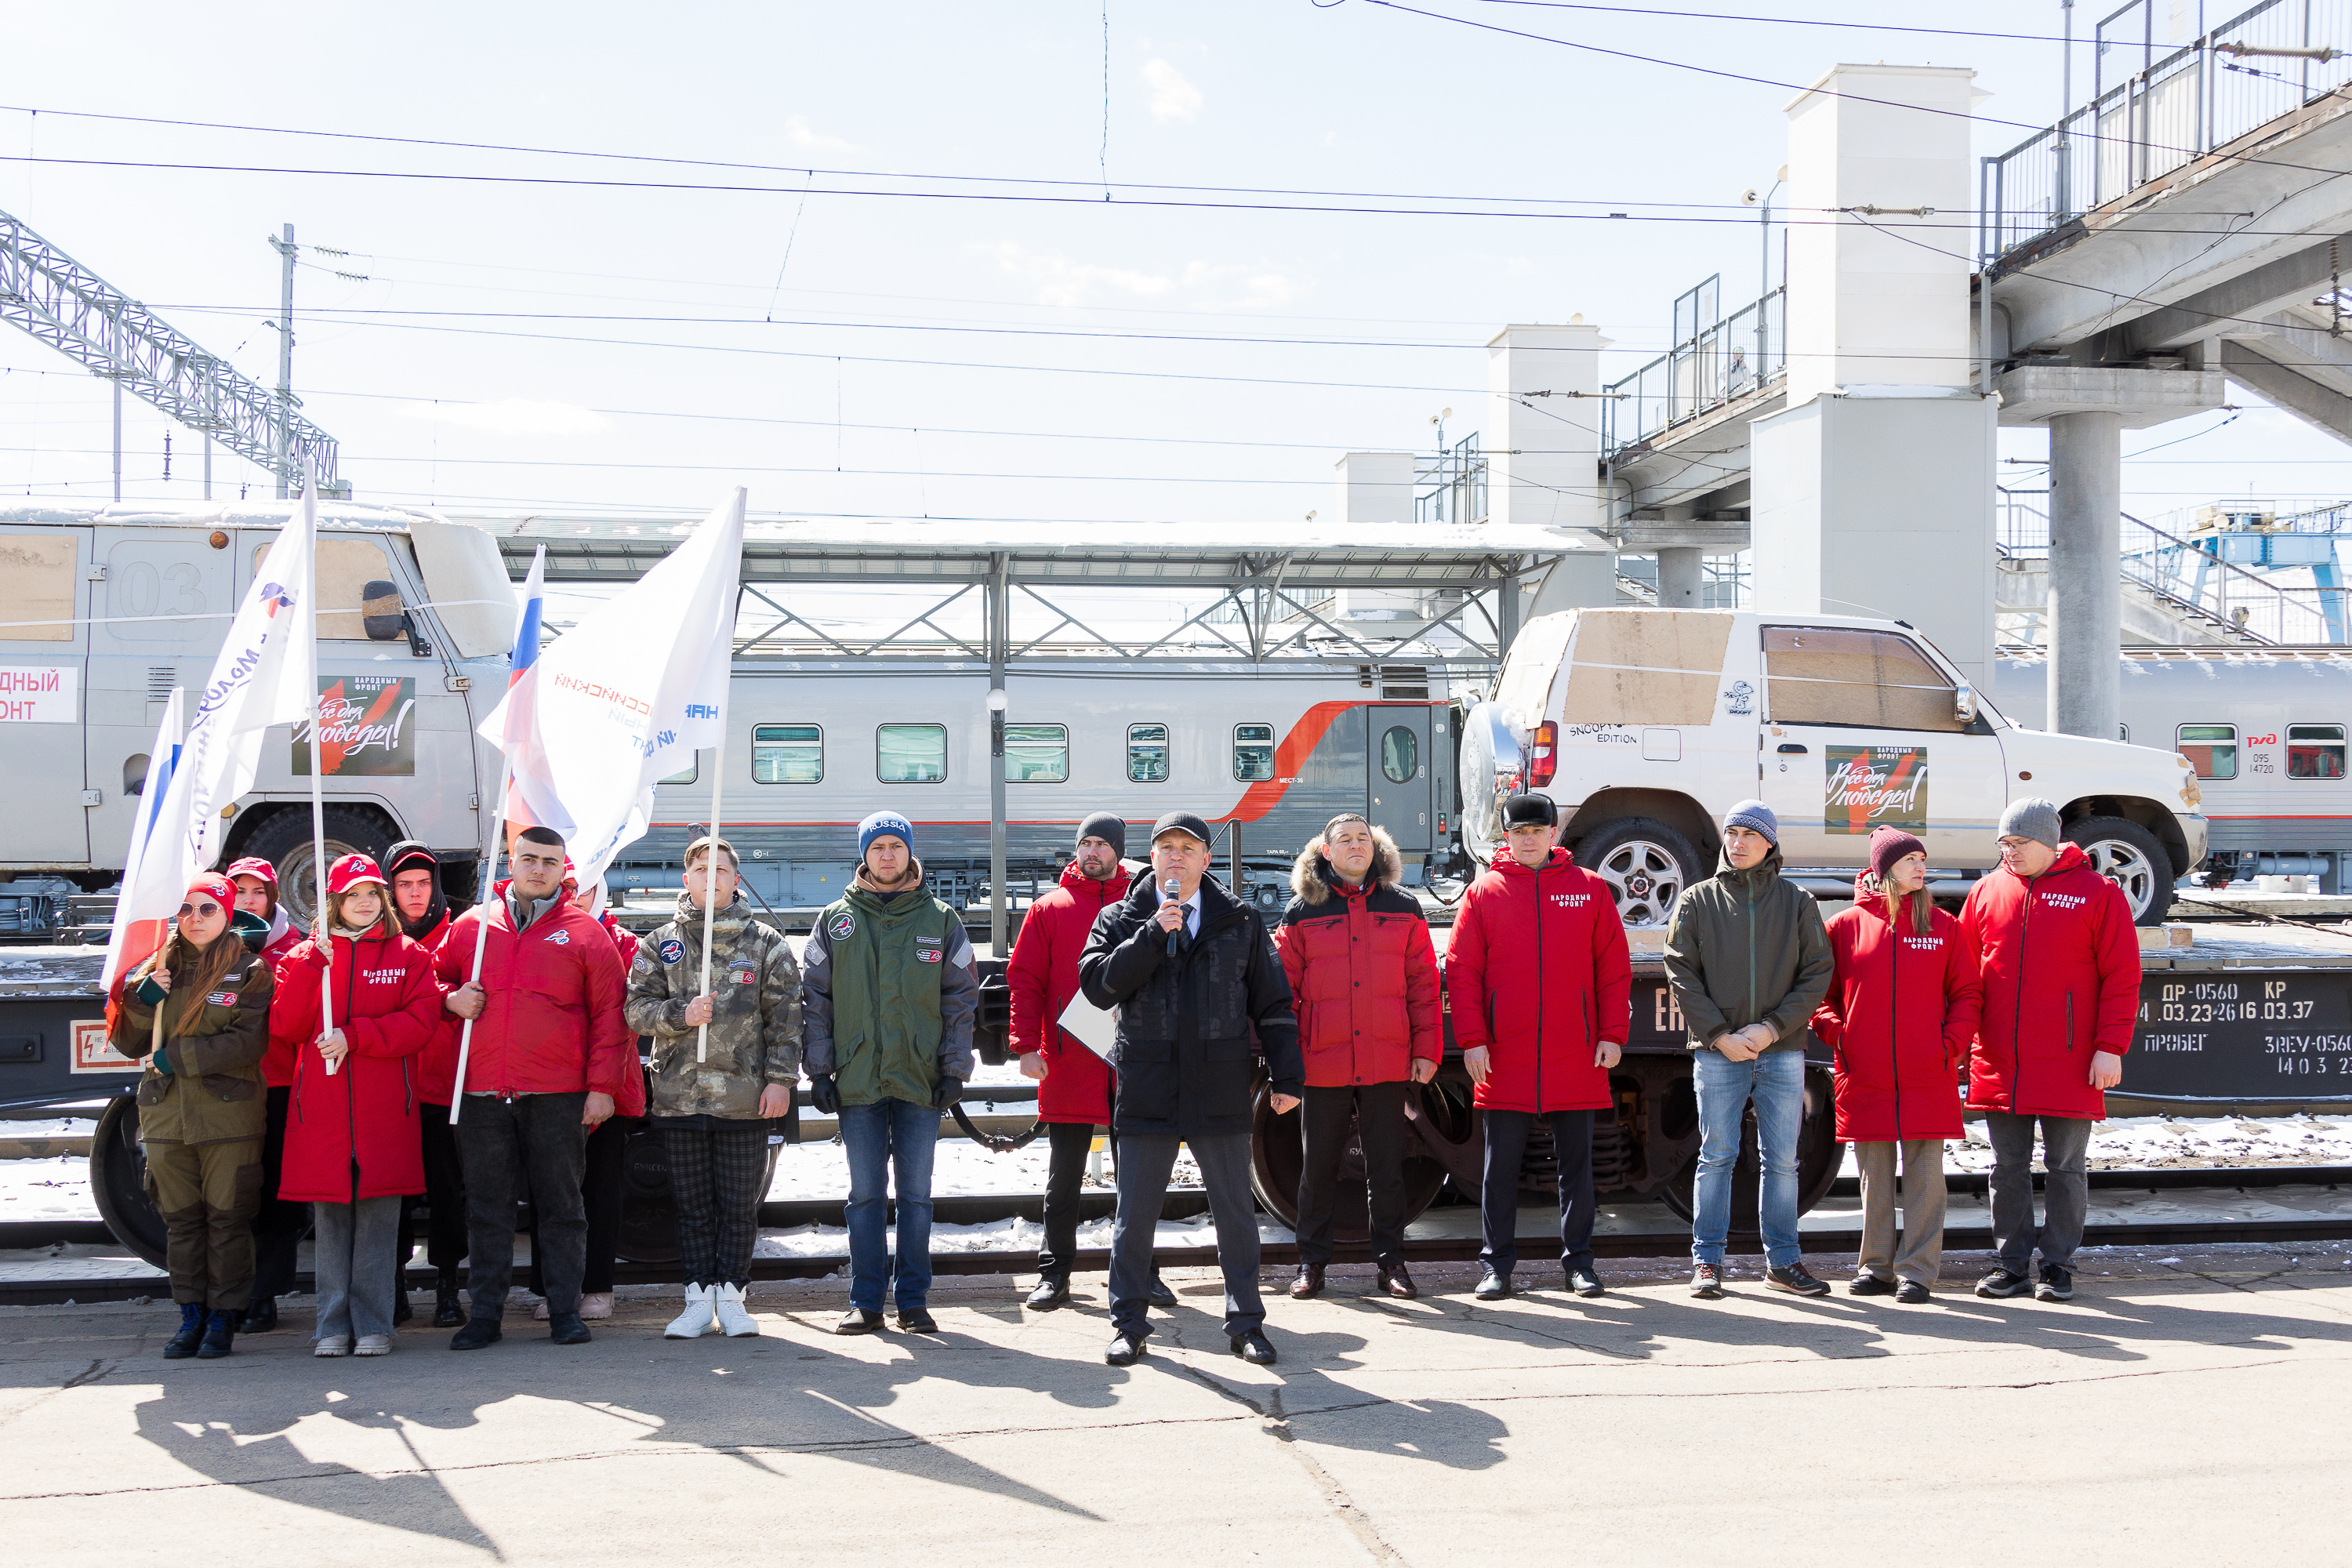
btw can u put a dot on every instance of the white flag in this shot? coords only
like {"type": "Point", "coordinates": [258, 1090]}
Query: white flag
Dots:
{"type": "Point", "coordinates": [267, 673]}
{"type": "Point", "coordinates": [627, 696]}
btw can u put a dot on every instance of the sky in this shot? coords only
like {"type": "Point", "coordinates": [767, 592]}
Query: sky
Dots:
{"type": "Point", "coordinates": [644, 328]}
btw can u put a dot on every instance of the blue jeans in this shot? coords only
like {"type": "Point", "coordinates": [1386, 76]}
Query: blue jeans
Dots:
{"type": "Point", "coordinates": [1776, 1082]}
{"type": "Point", "coordinates": [890, 1136]}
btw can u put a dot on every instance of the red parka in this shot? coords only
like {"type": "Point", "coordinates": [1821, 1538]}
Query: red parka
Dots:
{"type": "Point", "coordinates": [552, 1023]}
{"type": "Point", "coordinates": [1900, 1014]}
{"type": "Point", "coordinates": [2060, 965]}
{"type": "Point", "coordinates": [278, 1063]}
{"type": "Point", "coordinates": [1043, 977]}
{"type": "Point", "coordinates": [355, 1132]}
{"type": "Point", "coordinates": [1363, 974]}
{"type": "Point", "coordinates": [1538, 972]}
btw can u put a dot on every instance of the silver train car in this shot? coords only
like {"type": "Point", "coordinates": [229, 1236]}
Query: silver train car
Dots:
{"type": "Point", "coordinates": [2266, 731]}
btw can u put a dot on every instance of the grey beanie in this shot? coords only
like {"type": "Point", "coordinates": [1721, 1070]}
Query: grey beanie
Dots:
{"type": "Point", "coordinates": [1756, 817]}
{"type": "Point", "coordinates": [2033, 818]}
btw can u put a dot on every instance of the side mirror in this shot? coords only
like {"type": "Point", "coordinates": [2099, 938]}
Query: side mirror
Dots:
{"type": "Point", "coordinates": [382, 613]}
{"type": "Point", "coordinates": [1964, 703]}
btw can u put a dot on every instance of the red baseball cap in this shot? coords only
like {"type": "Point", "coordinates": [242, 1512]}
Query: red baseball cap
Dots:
{"type": "Point", "coordinates": [253, 866]}
{"type": "Point", "coordinates": [351, 871]}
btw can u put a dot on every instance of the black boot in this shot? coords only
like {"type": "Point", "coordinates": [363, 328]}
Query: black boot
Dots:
{"type": "Point", "coordinates": [449, 1312]}
{"type": "Point", "coordinates": [401, 1310]}
{"type": "Point", "coordinates": [220, 1333]}
{"type": "Point", "coordinates": [261, 1317]}
{"type": "Point", "coordinates": [192, 1329]}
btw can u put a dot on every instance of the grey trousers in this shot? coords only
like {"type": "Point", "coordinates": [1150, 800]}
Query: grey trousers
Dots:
{"type": "Point", "coordinates": [351, 1261]}
{"type": "Point", "coordinates": [2066, 1194]}
{"type": "Point", "coordinates": [1144, 1162]}
{"type": "Point", "coordinates": [1921, 1196]}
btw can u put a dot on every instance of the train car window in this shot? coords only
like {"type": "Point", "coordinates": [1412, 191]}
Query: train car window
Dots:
{"type": "Point", "coordinates": [1840, 675]}
{"type": "Point", "coordinates": [787, 753]}
{"type": "Point", "coordinates": [1036, 754]}
{"type": "Point", "coordinates": [911, 754]}
{"type": "Point", "coordinates": [1399, 754]}
{"type": "Point", "coordinates": [2211, 748]}
{"type": "Point", "coordinates": [2122, 733]}
{"type": "Point", "coordinates": [1252, 752]}
{"type": "Point", "coordinates": [2315, 750]}
{"type": "Point", "coordinates": [684, 775]}
{"type": "Point", "coordinates": [1147, 754]}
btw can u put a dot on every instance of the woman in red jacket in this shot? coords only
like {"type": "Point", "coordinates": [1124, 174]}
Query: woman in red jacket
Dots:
{"type": "Point", "coordinates": [354, 1140]}
{"type": "Point", "coordinates": [1363, 979]}
{"type": "Point", "coordinates": [1901, 1010]}
{"type": "Point", "coordinates": [1541, 988]}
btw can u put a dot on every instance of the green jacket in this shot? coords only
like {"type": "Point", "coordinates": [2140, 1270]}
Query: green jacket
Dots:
{"type": "Point", "coordinates": [1748, 947]}
{"type": "Point", "coordinates": [755, 1018]}
{"type": "Point", "coordinates": [888, 992]}
{"type": "Point", "coordinates": [213, 1092]}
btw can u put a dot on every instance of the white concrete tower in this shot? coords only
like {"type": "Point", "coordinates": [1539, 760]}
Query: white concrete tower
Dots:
{"type": "Point", "coordinates": [1543, 452]}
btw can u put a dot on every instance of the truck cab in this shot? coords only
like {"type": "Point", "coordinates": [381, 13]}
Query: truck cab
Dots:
{"type": "Point", "coordinates": [1643, 726]}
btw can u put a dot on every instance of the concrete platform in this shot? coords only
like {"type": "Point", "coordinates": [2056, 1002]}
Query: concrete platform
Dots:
{"type": "Point", "coordinates": [2169, 1415]}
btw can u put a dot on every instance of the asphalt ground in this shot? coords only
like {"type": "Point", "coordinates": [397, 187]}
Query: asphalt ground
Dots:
{"type": "Point", "coordinates": [2187, 1406]}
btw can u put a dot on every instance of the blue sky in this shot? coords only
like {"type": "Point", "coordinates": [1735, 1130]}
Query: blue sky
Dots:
{"type": "Point", "coordinates": [869, 355]}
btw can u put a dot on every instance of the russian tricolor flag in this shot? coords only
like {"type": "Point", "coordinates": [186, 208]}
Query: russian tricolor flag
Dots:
{"type": "Point", "coordinates": [518, 728]}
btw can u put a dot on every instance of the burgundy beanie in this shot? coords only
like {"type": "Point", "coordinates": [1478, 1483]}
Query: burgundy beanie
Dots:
{"type": "Point", "coordinates": [1889, 845]}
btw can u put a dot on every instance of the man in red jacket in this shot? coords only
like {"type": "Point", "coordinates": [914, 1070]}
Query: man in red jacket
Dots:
{"type": "Point", "coordinates": [422, 911]}
{"type": "Point", "coordinates": [1363, 979]}
{"type": "Point", "coordinates": [1074, 1085]}
{"type": "Point", "coordinates": [2060, 966]}
{"type": "Point", "coordinates": [1542, 990]}
{"type": "Point", "coordinates": [549, 1054]}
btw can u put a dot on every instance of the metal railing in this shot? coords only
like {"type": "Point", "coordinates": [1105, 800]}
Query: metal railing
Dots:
{"type": "Point", "coordinates": [1709, 367]}
{"type": "Point", "coordinates": [2188, 578]}
{"type": "Point", "coordinates": [1452, 487]}
{"type": "Point", "coordinates": [2155, 107]}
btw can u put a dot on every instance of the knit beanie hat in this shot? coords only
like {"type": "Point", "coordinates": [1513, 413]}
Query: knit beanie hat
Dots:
{"type": "Point", "coordinates": [885, 824]}
{"type": "Point", "coordinates": [2032, 817]}
{"type": "Point", "coordinates": [1109, 826]}
{"type": "Point", "coordinates": [1889, 845]}
{"type": "Point", "coordinates": [1756, 817]}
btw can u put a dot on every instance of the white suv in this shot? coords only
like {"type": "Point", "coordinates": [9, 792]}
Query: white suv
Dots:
{"type": "Point", "coordinates": [1646, 725]}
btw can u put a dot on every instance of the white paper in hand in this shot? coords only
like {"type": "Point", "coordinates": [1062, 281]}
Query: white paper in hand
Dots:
{"type": "Point", "coordinates": [1090, 1025]}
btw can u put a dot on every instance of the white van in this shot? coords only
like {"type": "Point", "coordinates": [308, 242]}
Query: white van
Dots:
{"type": "Point", "coordinates": [1646, 725]}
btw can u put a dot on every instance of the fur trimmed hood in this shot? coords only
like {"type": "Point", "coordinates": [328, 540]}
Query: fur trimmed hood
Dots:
{"type": "Point", "coordinates": [1311, 874]}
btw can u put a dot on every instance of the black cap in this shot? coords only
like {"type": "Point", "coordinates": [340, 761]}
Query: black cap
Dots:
{"type": "Point", "coordinates": [1530, 811]}
{"type": "Point", "coordinates": [1109, 826]}
{"type": "Point", "coordinates": [1181, 822]}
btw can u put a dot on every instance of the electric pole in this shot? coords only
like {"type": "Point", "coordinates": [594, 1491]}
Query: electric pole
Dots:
{"type": "Point", "coordinates": [285, 453]}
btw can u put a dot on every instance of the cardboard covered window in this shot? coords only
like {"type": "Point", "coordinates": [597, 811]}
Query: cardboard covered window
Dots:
{"type": "Point", "coordinates": [1646, 667]}
{"type": "Point", "coordinates": [346, 567]}
{"type": "Point", "coordinates": [37, 587]}
{"type": "Point", "coordinates": [1837, 675]}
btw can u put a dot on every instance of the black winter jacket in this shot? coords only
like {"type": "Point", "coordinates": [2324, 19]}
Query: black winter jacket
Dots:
{"type": "Point", "coordinates": [1182, 1047]}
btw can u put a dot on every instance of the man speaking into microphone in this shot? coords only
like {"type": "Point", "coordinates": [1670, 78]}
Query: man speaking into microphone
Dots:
{"type": "Point", "coordinates": [1190, 971]}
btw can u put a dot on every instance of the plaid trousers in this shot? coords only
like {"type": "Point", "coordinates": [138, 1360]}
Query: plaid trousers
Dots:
{"type": "Point", "coordinates": [717, 1176]}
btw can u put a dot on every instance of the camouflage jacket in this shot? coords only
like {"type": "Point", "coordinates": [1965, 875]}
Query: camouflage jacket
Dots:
{"type": "Point", "coordinates": [755, 1023]}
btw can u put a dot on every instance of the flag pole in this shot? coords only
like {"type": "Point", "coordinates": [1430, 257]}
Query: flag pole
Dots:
{"type": "Point", "coordinates": [710, 870]}
{"type": "Point", "coordinates": [325, 923]}
{"type": "Point", "coordinates": [482, 929]}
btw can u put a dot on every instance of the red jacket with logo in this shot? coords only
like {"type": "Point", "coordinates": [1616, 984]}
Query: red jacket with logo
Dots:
{"type": "Point", "coordinates": [2060, 965]}
{"type": "Point", "coordinates": [1901, 1011]}
{"type": "Point", "coordinates": [551, 1021]}
{"type": "Point", "coordinates": [1537, 971]}
{"type": "Point", "coordinates": [1363, 975]}
{"type": "Point", "coordinates": [355, 1132]}
{"type": "Point", "coordinates": [1043, 976]}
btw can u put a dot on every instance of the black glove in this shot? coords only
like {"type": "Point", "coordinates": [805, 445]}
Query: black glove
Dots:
{"type": "Point", "coordinates": [823, 1095]}
{"type": "Point", "coordinates": [950, 1090]}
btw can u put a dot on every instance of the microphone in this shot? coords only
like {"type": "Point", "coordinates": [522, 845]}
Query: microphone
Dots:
{"type": "Point", "coordinates": [1171, 891]}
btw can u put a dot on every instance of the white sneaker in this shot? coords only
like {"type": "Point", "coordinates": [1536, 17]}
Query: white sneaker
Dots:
{"type": "Point", "coordinates": [332, 1345]}
{"type": "Point", "coordinates": [539, 1313]}
{"type": "Point", "coordinates": [373, 1344]}
{"type": "Point", "coordinates": [695, 1322]}
{"type": "Point", "coordinates": [596, 1306]}
{"type": "Point", "coordinates": [728, 1302]}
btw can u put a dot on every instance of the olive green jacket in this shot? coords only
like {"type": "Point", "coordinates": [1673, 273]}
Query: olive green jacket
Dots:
{"type": "Point", "coordinates": [1748, 947]}
{"type": "Point", "coordinates": [213, 1092]}
{"type": "Point", "coordinates": [888, 992]}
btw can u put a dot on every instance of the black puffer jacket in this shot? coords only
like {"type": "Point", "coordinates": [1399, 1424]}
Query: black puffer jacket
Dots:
{"type": "Point", "coordinates": [1183, 1049]}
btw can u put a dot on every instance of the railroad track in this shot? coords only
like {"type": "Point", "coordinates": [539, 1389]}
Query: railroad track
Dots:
{"type": "Point", "coordinates": [1633, 1230]}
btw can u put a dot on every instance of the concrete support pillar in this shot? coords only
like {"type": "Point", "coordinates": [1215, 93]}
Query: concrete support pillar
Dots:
{"type": "Point", "coordinates": [2085, 567]}
{"type": "Point", "coordinates": [1543, 453]}
{"type": "Point", "coordinates": [1681, 580]}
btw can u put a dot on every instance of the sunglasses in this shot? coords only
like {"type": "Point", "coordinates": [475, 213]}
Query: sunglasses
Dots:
{"type": "Point", "coordinates": [201, 911]}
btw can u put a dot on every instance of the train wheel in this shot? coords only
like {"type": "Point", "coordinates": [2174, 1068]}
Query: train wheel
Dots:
{"type": "Point", "coordinates": [1279, 1155]}
{"type": "Point", "coordinates": [1819, 1157]}
{"type": "Point", "coordinates": [117, 1181]}
{"type": "Point", "coordinates": [2128, 855]}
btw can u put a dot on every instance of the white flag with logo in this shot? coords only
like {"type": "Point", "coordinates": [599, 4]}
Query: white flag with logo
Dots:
{"type": "Point", "coordinates": [627, 696]}
{"type": "Point", "coordinates": [267, 673]}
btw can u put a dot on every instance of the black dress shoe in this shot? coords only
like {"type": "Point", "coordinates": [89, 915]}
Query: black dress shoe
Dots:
{"type": "Point", "coordinates": [448, 1311]}
{"type": "Point", "coordinates": [1255, 1347]}
{"type": "Point", "coordinates": [857, 1320]}
{"type": "Point", "coordinates": [1586, 1283]}
{"type": "Point", "coordinates": [1158, 1293]}
{"type": "Point", "coordinates": [1911, 1293]}
{"type": "Point", "coordinates": [567, 1329]}
{"type": "Point", "coordinates": [1869, 1285]}
{"type": "Point", "coordinates": [1124, 1350]}
{"type": "Point", "coordinates": [1309, 1283]}
{"type": "Point", "coordinates": [1049, 1294]}
{"type": "Point", "coordinates": [261, 1316]}
{"type": "Point", "coordinates": [917, 1320]}
{"type": "Point", "coordinates": [220, 1336]}
{"type": "Point", "coordinates": [1397, 1282]}
{"type": "Point", "coordinates": [183, 1344]}
{"type": "Point", "coordinates": [478, 1332]}
{"type": "Point", "coordinates": [1491, 1287]}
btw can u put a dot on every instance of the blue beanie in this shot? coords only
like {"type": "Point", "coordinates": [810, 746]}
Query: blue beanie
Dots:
{"type": "Point", "coordinates": [1756, 817]}
{"type": "Point", "coordinates": [884, 825]}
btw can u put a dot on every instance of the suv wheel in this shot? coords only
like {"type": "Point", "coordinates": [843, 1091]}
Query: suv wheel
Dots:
{"type": "Point", "coordinates": [2128, 855]}
{"type": "Point", "coordinates": [1646, 865]}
